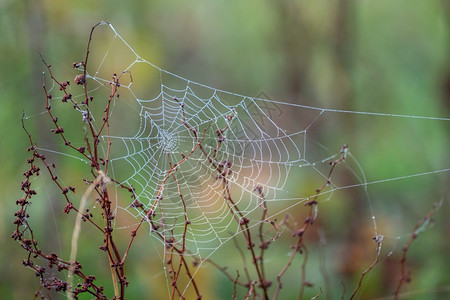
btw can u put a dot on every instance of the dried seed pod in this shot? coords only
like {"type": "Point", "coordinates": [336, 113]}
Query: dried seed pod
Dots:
{"type": "Point", "coordinates": [80, 79]}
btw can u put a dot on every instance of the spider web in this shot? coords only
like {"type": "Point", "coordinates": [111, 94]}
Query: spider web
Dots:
{"type": "Point", "coordinates": [256, 148]}
{"type": "Point", "coordinates": [254, 151]}
{"type": "Point", "coordinates": [166, 122]}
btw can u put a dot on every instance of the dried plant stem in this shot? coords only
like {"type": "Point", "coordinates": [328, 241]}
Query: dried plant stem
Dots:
{"type": "Point", "coordinates": [404, 276]}
{"type": "Point", "coordinates": [309, 221]}
{"type": "Point", "coordinates": [318, 295]}
{"type": "Point", "coordinates": [101, 179]}
{"type": "Point", "coordinates": [74, 243]}
{"type": "Point", "coordinates": [304, 282]}
{"type": "Point", "coordinates": [379, 240]}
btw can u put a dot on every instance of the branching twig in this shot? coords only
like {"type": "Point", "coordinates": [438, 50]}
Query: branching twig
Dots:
{"type": "Point", "coordinates": [379, 240]}
{"type": "Point", "coordinates": [309, 220]}
{"type": "Point", "coordinates": [404, 275]}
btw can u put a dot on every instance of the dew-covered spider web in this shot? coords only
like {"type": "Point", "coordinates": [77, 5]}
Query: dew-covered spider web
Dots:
{"type": "Point", "coordinates": [202, 159]}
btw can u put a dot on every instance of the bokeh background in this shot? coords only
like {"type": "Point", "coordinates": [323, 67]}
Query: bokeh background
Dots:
{"type": "Point", "coordinates": [378, 56]}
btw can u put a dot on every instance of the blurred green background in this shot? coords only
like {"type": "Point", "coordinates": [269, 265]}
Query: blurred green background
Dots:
{"type": "Point", "coordinates": [378, 56]}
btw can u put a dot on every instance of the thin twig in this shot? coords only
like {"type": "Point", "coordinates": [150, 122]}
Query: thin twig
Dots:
{"type": "Point", "coordinates": [379, 240]}
{"type": "Point", "coordinates": [404, 276]}
{"type": "Point", "coordinates": [101, 179]}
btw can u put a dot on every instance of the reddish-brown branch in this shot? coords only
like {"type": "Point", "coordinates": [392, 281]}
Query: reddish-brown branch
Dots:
{"type": "Point", "coordinates": [404, 275]}
{"type": "Point", "coordinates": [92, 155]}
{"type": "Point", "coordinates": [63, 87]}
{"type": "Point", "coordinates": [303, 283]}
{"type": "Point", "coordinates": [379, 240]}
{"type": "Point", "coordinates": [235, 282]}
{"type": "Point", "coordinates": [309, 220]}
